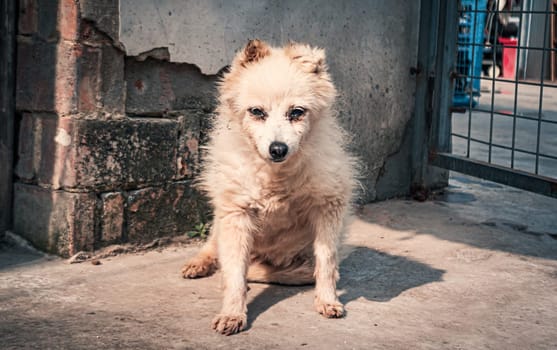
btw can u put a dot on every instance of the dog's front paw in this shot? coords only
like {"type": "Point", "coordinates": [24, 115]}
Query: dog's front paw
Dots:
{"type": "Point", "coordinates": [199, 267]}
{"type": "Point", "coordinates": [229, 324]}
{"type": "Point", "coordinates": [330, 310]}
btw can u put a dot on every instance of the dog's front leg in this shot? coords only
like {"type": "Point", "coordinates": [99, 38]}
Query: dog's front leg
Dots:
{"type": "Point", "coordinates": [234, 244]}
{"type": "Point", "coordinates": [328, 230]}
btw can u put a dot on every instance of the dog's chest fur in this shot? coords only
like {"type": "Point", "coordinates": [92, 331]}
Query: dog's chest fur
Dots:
{"type": "Point", "coordinates": [284, 216]}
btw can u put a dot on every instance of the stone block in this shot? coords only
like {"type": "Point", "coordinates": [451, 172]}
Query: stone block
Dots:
{"type": "Point", "coordinates": [124, 153]}
{"type": "Point", "coordinates": [54, 221]}
{"type": "Point", "coordinates": [102, 72]}
{"type": "Point", "coordinates": [163, 211]}
{"type": "Point", "coordinates": [155, 87]}
{"type": "Point", "coordinates": [35, 75]}
{"type": "Point", "coordinates": [101, 155]}
{"type": "Point", "coordinates": [46, 76]}
{"type": "Point", "coordinates": [111, 217]}
{"type": "Point", "coordinates": [69, 77]}
{"type": "Point", "coordinates": [100, 82]}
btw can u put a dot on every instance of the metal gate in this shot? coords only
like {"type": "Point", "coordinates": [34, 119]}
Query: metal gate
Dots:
{"type": "Point", "coordinates": [494, 101]}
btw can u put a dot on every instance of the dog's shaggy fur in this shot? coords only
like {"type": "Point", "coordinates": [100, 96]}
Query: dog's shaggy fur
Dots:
{"type": "Point", "coordinates": [279, 179]}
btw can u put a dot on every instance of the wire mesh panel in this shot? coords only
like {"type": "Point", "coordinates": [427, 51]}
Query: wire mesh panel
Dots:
{"type": "Point", "coordinates": [504, 116]}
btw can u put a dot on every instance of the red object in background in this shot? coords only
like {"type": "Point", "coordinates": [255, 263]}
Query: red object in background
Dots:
{"type": "Point", "coordinates": [509, 57]}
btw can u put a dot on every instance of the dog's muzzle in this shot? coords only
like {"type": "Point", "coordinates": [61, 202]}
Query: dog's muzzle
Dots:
{"type": "Point", "coordinates": [278, 151]}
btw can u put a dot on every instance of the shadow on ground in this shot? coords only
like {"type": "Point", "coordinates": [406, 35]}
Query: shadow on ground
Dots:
{"type": "Point", "coordinates": [378, 276]}
{"type": "Point", "coordinates": [364, 273]}
{"type": "Point", "coordinates": [11, 254]}
{"type": "Point", "coordinates": [477, 213]}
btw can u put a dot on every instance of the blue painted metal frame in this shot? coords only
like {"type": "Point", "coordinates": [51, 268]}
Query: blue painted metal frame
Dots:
{"type": "Point", "coordinates": [470, 41]}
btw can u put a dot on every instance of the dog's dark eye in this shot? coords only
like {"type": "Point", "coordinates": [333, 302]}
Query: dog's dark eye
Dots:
{"type": "Point", "coordinates": [257, 112]}
{"type": "Point", "coordinates": [296, 113]}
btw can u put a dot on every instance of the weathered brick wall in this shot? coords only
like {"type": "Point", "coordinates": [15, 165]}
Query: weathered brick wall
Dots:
{"type": "Point", "coordinates": [108, 144]}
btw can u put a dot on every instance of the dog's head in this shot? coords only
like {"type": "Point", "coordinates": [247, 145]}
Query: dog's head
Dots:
{"type": "Point", "coordinates": [275, 94]}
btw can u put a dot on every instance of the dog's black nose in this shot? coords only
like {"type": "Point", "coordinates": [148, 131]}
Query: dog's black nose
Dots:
{"type": "Point", "coordinates": [278, 151]}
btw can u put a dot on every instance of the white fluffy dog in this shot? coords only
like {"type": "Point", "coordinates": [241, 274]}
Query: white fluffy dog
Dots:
{"type": "Point", "coordinates": [279, 178]}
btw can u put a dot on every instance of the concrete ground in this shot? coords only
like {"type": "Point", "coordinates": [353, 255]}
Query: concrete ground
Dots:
{"type": "Point", "coordinates": [475, 268]}
{"type": "Point", "coordinates": [526, 132]}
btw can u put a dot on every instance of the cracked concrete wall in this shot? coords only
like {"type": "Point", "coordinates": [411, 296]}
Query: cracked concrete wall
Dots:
{"type": "Point", "coordinates": [371, 46]}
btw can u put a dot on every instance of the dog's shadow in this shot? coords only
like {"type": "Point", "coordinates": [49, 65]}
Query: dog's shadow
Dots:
{"type": "Point", "coordinates": [364, 273]}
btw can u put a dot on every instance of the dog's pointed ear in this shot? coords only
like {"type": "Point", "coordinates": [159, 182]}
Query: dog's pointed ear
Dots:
{"type": "Point", "coordinates": [254, 50]}
{"type": "Point", "coordinates": [311, 59]}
